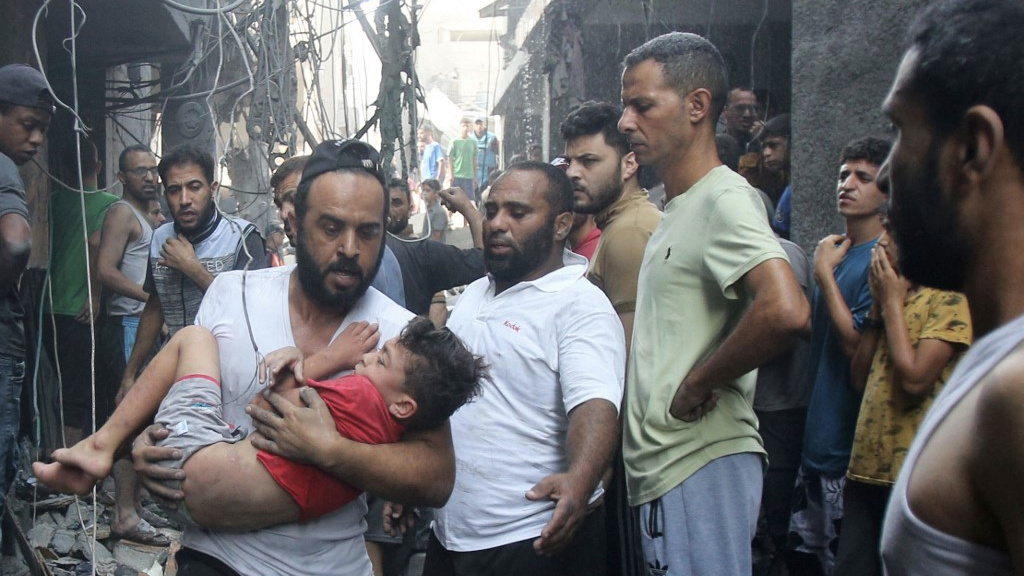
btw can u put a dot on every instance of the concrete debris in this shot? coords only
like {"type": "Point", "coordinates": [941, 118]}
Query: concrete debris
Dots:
{"type": "Point", "coordinates": [41, 534]}
{"type": "Point", "coordinates": [63, 541]}
{"type": "Point", "coordinates": [139, 556]}
{"type": "Point", "coordinates": [60, 532]}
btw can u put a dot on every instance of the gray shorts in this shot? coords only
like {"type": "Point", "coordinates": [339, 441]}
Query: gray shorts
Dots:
{"type": "Point", "coordinates": [705, 524]}
{"type": "Point", "coordinates": [192, 412]}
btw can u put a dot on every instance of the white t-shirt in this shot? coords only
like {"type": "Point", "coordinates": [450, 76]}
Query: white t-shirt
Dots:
{"type": "Point", "coordinates": [331, 545]}
{"type": "Point", "coordinates": [552, 344]}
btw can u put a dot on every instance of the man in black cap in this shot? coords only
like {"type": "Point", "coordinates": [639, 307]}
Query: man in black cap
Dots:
{"type": "Point", "coordinates": [339, 222]}
{"type": "Point", "coordinates": [25, 111]}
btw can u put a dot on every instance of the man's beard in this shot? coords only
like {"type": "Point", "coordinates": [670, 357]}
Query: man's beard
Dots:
{"type": "Point", "coordinates": [521, 262]}
{"type": "Point", "coordinates": [933, 252]}
{"type": "Point", "coordinates": [398, 227]}
{"type": "Point", "coordinates": [142, 195]}
{"type": "Point", "coordinates": [313, 280]}
{"type": "Point", "coordinates": [603, 196]}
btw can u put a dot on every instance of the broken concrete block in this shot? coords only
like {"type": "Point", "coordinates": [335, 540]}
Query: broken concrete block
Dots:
{"type": "Point", "coordinates": [41, 534]}
{"type": "Point", "coordinates": [139, 556]}
{"type": "Point", "coordinates": [63, 541]}
{"type": "Point", "coordinates": [79, 514]}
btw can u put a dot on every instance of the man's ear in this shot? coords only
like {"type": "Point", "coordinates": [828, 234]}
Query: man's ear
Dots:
{"type": "Point", "coordinates": [293, 222]}
{"type": "Point", "coordinates": [629, 165]}
{"type": "Point", "coordinates": [121, 177]}
{"type": "Point", "coordinates": [980, 141]}
{"type": "Point", "coordinates": [563, 225]}
{"type": "Point", "coordinates": [402, 408]}
{"type": "Point", "coordinates": [698, 105]}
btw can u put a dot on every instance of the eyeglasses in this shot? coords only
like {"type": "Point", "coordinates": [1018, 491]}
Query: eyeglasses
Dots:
{"type": "Point", "coordinates": [743, 109]}
{"type": "Point", "coordinates": [141, 171]}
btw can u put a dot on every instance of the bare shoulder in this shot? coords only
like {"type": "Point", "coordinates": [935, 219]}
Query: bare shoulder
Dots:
{"type": "Point", "coordinates": [120, 215]}
{"type": "Point", "coordinates": [1001, 395]}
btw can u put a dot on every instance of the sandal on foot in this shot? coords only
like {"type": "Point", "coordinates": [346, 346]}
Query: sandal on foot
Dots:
{"type": "Point", "coordinates": [155, 520]}
{"type": "Point", "coordinates": [143, 533]}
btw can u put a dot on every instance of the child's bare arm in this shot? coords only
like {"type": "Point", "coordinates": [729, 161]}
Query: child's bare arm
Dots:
{"type": "Point", "coordinates": [344, 352]}
{"type": "Point", "coordinates": [277, 364]}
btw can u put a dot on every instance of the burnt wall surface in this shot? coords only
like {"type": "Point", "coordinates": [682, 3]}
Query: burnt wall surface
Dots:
{"type": "Point", "coordinates": [606, 45]}
{"type": "Point", "coordinates": [845, 56]}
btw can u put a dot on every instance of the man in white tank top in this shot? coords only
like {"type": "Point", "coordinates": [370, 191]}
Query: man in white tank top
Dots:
{"type": "Point", "coordinates": [957, 200]}
{"type": "Point", "coordinates": [121, 269]}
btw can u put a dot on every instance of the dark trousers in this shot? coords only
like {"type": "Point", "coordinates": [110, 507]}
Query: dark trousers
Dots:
{"type": "Point", "coordinates": [195, 563]}
{"type": "Point", "coordinates": [783, 434]}
{"type": "Point", "coordinates": [860, 542]}
{"type": "Point", "coordinates": [73, 358]}
{"type": "Point", "coordinates": [585, 556]}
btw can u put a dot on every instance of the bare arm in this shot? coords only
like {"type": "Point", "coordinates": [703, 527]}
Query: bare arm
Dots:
{"type": "Point", "coordinates": [150, 322]}
{"type": "Point", "coordinates": [860, 366]}
{"type": "Point", "coordinates": [343, 353]}
{"type": "Point", "coordinates": [15, 247]}
{"type": "Point", "coordinates": [827, 256]}
{"type": "Point", "coordinates": [776, 316]}
{"type": "Point", "coordinates": [995, 461]}
{"type": "Point", "coordinates": [591, 441]}
{"type": "Point", "coordinates": [456, 199]}
{"type": "Point", "coordinates": [442, 164]}
{"type": "Point", "coordinates": [917, 370]}
{"type": "Point", "coordinates": [91, 307]}
{"type": "Point", "coordinates": [420, 469]}
{"type": "Point", "coordinates": [119, 228]}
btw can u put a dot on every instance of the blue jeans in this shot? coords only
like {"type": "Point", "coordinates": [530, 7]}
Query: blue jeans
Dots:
{"type": "Point", "coordinates": [12, 374]}
{"type": "Point", "coordinates": [131, 330]}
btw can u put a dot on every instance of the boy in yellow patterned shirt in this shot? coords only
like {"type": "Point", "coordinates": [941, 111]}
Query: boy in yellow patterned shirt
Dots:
{"type": "Point", "coordinates": [913, 338]}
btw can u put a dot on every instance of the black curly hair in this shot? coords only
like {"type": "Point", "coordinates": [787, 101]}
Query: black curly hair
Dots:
{"type": "Point", "coordinates": [441, 373]}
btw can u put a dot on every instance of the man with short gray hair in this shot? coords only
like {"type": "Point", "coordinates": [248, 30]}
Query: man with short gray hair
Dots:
{"type": "Point", "coordinates": [713, 269]}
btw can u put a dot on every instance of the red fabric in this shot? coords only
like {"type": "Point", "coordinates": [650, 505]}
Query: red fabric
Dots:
{"type": "Point", "coordinates": [587, 246]}
{"type": "Point", "coordinates": [360, 414]}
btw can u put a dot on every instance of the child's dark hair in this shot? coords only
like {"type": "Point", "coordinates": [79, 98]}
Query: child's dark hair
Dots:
{"type": "Point", "coordinates": [441, 375]}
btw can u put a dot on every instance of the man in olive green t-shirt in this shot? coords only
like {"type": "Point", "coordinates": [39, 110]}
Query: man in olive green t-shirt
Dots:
{"type": "Point", "coordinates": [716, 298]}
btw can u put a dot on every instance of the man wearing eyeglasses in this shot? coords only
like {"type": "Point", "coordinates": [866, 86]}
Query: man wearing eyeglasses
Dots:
{"type": "Point", "coordinates": [121, 269]}
{"type": "Point", "coordinates": [741, 115]}
{"type": "Point", "coordinates": [125, 239]}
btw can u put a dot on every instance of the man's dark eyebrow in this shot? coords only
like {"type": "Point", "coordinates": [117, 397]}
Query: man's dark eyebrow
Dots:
{"type": "Point", "coordinates": [512, 205]}
{"type": "Point", "coordinates": [864, 175]}
{"type": "Point", "coordinates": [332, 219]}
{"type": "Point", "coordinates": [386, 352]}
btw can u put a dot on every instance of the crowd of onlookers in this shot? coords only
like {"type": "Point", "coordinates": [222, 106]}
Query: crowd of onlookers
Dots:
{"type": "Point", "coordinates": [655, 386]}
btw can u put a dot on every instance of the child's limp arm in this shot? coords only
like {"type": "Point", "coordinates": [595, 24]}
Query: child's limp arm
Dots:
{"type": "Point", "coordinates": [343, 353]}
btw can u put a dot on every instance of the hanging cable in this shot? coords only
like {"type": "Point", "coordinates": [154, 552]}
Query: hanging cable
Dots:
{"type": "Point", "coordinates": [204, 11]}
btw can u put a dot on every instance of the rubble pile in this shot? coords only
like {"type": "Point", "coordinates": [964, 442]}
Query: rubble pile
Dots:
{"type": "Point", "coordinates": [67, 536]}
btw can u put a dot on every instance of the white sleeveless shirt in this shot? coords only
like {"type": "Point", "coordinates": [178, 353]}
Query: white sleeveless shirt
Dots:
{"type": "Point", "coordinates": [911, 547]}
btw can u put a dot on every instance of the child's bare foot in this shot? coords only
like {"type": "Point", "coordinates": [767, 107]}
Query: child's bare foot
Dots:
{"type": "Point", "coordinates": [89, 456]}
{"type": "Point", "coordinates": [65, 479]}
